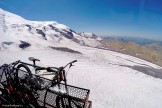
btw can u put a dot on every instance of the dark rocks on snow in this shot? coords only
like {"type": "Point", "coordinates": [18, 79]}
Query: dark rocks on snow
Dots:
{"type": "Point", "coordinates": [73, 31]}
{"type": "Point", "coordinates": [64, 32]}
{"type": "Point", "coordinates": [94, 36]}
{"type": "Point", "coordinates": [66, 50]}
{"type": "Point", "coordinates": [24, 44]}
{"type": "Point", "coordinates": [41, 32]}
{"type": "Point", "coordinates": [67, 34]}
{"type": "Point", "coordinates": [8, 43]}
{"type": "Point", "coordinates": [53, 28]}
{"type": "Point", "coordinates": [29, 26]}
{"type": "Point", "coordinates": [76, 40]}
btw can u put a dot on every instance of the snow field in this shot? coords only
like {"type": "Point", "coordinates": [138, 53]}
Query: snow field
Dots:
{"type": "Point", "coordinates": [112, 86]}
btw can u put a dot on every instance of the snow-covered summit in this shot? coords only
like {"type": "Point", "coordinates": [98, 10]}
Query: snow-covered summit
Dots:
{"type": "Point", "coordinates": [90, 35]}
{"type": "Point", "coordinates": [14, 30]}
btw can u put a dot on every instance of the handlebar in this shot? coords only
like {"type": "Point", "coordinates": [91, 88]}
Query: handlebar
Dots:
{"type": "Point", "coordinates": [70, 63]}
{"type": "Point", "coordinates": [74, 61]}
{"type": "Point", "coordinates": [55, 69]}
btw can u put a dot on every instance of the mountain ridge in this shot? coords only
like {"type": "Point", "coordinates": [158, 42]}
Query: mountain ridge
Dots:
{"type": "Point", "coordinates": [15, 29]}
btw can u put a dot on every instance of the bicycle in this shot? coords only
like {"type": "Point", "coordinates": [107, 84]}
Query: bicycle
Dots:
{"type": "Point", "coordinates": [32, 90]}
{"type": "Point", "coordinates": [63, 99]}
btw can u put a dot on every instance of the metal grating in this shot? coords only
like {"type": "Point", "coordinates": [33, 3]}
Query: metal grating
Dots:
{"type": "Point", "coordinates": [78, 96]}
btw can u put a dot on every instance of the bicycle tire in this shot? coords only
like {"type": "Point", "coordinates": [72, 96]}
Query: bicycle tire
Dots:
{"type": "Point", "coordinates": [27, 70]}
{"type": "Point", "coordinates": [31, 99]}
{"type": "Point", "coordinates": [67, 102]}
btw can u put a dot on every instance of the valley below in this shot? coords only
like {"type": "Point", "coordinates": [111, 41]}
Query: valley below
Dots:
{"type": "Point", "coordinates": [149, 52]}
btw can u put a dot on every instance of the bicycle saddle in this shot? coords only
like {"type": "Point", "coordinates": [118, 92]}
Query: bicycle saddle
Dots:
{"type": "Point", "coordinates": [33, 59]}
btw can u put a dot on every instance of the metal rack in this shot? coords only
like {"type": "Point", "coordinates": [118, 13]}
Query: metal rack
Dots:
{"type": "Point", "coordinates": [47, 97]}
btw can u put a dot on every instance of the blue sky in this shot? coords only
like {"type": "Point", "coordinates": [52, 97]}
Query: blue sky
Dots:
{"type": "Point", "coordinates": [141, 18]}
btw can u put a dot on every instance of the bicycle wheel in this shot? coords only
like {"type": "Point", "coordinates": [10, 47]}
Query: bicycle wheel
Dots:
{"type": "Point", "coordinates": [67, 102]}
{"type": "Point", "coordinates": [22, 70]}
{"type": "Point", "coordinates": [23, 76]}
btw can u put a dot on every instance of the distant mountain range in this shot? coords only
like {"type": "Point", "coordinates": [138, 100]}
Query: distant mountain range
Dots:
{"type": "Point", "coordinates": [138, 40]}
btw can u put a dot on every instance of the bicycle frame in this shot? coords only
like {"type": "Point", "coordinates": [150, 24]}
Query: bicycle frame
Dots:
{"type": "Point", "coordinates": [60, 74]}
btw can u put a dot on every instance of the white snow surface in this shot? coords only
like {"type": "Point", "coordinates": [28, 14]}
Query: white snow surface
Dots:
{"type": "Point", "coordinates": [111, 85]}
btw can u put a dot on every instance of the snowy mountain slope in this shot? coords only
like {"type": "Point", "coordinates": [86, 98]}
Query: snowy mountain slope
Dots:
{"type": "Point", "coordinates": [112, 84]}
{"type": "Point", "coordinates": [15, 29]}
{"type": "Point", "coordinates": [90, 39]}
